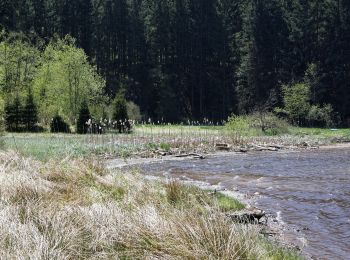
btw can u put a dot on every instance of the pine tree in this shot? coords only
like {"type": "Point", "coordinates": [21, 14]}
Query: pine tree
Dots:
{"type": "Point", "coordinates": [83, 118]}
{"type": "Point", "coordinates": [121, 114]}
{"type": "Point", "coordinates": [13, 115]}
{"type": "Point", "coordinates": [58, 125]}
{"type": "Point", "coordinates": [30, 113]}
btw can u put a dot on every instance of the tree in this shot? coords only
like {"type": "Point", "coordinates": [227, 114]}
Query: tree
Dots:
{"type": "Point", "coordinates": [30, 113]}
{"type": "Point", "coordinates": [120, 116]}
{"type": "Point", "coordinates": [83, 118]}
{"type": "Point", "coordinates": [65, 79]}
{"type": "Point", "coordinates": [18, 64]}
{"type": "Point", "coordinates": [58, 125]}
{"type": "Point", "coordinates": [13, 115]}
{"type": "Point", "coordinates": [297, 102]}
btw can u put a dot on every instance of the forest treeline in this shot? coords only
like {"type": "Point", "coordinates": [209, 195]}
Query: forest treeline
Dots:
{"type": "Point", "coordinates": [196, 59]}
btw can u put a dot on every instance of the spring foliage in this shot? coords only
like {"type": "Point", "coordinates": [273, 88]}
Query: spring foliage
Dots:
{"type": "Point", "coordinates": [37, 82]}
{"type": "Point", "coordinates": [64, 79]}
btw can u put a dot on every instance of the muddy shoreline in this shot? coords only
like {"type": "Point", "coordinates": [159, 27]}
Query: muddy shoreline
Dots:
{"type": "Point", "coordinates": [274, 228]}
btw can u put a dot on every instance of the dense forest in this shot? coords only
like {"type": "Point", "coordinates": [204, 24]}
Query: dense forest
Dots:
{"type": "Point", "coordinates": [182, 60]}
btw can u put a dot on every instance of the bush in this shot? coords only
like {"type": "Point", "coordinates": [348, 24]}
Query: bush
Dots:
{"type": "Point", "coordinates": [269, 124]}
{"type": "Point", "coordinates": [58, 125]}
{"type": "Point", "coordinates": [83, 118]}
{"type": "Point", "coordinates": [240, 125]}
{"type": "Point", "coordinates": [257, 124]}
{"type": "Point", "coordinates": [320, 116]}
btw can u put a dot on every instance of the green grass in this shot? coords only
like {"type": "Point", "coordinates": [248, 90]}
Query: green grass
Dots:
{"type": "Point", "coordinates": [227, 203]}
{"type": "Point", "coordinates": [321, 132]}
{"type": "Point", "coordinates": [45, 146]}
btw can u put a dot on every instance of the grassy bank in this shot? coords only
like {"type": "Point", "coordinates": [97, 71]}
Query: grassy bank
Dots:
{"type": "Point", "coordinates": [79, 210]}
{"type": "Point", "coordinates": [147, 140]}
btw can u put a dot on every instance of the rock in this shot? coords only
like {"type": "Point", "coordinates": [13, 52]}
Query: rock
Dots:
{"type": "Point", "coordinates": [241, 150]}
{"type": "Point", "coordinates": [248, 216]}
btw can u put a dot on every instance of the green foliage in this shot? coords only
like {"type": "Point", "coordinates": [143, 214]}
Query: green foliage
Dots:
{"type": "Point", "coordinates": [321, 116]}
{"type": "Point", "coordinates": [270, 124]}
{"type": "Point", "coordinates": [64, 79]}
{"type": "Point", "coordinates": [297, 101]}
{"type": "Point", "coordinates": [83, 118]}
{"type": "Point", "coordinates": [165, 147]}
{"type": "Point", "coordinates": [240, 125]}
{"type": "Point", "coordinates": [178, 59]}
{"type": "Point", "coordinates": [120, 115]}
{"type": "Point", "coordinates": [58, 125]}
{"type": "Point", "coordinates": [257, 124]}
{"type": "Point", "coordinates": [18, 65]}
{"type": "Point", "coordinates": [298, 107]}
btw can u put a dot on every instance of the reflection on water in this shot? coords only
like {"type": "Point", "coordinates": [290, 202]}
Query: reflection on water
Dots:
{"type": "Point", "coordinates": [309, 190]}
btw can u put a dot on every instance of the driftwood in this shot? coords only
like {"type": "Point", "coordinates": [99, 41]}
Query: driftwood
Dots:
{"type": "Point", "coordinates": [248, 216]}
{"type": "Point", "coordinates": [198, 156]}
{"type": "Point", "coordinates": [222, 147]}
{"type": "Point", "coordinates": [162, 153]}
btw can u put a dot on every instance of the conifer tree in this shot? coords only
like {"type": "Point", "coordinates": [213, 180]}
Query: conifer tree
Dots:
{"type": "Point", "coordinates": [30, 113]}
{"type": "Point", "coordinates": [83, 118]}
{"type": "Point", "coordinates": [121, 114]}
{"type": "Point", "coordinates": [13, 115]}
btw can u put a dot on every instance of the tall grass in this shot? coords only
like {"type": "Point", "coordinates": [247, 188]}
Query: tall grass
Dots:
{"type": "Point", "coordinates": [80, 210]}
{"type": "Point", "coordinates": [146, 140]}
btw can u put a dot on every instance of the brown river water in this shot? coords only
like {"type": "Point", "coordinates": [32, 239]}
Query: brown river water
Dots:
{"type": "Point", "coordinates": [308, 191]}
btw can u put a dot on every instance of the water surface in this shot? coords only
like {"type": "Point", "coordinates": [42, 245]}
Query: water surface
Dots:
{"type": "Point", "coordinates": [309, 191]}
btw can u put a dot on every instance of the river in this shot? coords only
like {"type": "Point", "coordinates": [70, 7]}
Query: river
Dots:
{"type": "Point", "coordinates": [309, 191]}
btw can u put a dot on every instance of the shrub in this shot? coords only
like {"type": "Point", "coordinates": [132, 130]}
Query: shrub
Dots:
{"type": "Point", "coordinates": [121, 114]}
{"type": "Point", "coordinates": [133, 111]}
{"type": "Point", "coordinates": [58, 125]}
{"type": "Point", "coordinates": [270, 124]}
{"type": "Point", "coordinates": [83, 118]}
{"type": "Point", "coordinates": [320, 116]}
{"type": "Point", "coordinates": [240, 125]}
{"type": "Point", "coordinates": [257, 124]}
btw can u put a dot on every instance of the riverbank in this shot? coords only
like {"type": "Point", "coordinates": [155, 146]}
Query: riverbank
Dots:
{"type": "Point", "coordinates": [305, 190]}
{"type": "Point", "coordinates": [162, 141]}
{"type": "Point", "coordinates": [270, 224]}
{"type": "Point", "coordinates": [79, 209]}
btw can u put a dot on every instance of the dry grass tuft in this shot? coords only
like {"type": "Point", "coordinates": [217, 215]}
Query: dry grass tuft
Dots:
{"type": "Point", "coordinates": [78, 210]}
